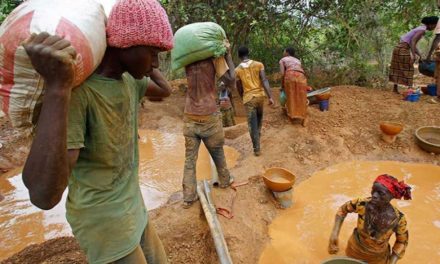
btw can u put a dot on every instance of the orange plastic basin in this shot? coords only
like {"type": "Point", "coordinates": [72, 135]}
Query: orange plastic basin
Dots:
{"type": "Point", "coordinates": [279, 179]}
{"type": "Point", "coordinates": [391, 128]}
{"type": "Point", "coordinates": [323, 97]}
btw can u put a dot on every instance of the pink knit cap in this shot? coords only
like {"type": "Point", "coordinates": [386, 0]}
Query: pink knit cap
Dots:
{"type": "Point", "coordinates": [139, 23]}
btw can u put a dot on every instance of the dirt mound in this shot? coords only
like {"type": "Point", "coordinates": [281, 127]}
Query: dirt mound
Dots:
{"type": "Point", "coordinates": [236, 131]}
{"type": "Point", "coordinates": [64, 250]}
{"type": "Point", "coordinates": [186, 236]}
{"type": "Point", "coordinates": [184, 233]}
{"type": "Point", "coordinates": [349, 131]}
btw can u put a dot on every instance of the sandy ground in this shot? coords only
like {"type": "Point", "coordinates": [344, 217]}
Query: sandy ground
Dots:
{"type": "Point", "coordinates": [349, 131]}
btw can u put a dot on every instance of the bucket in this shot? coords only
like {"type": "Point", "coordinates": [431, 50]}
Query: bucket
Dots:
{"type": "Point", "coordinates": [324, 105]}
{"type": "Point", "coordinates": [427, 68]}
{"type": "Point", "coordinates": [432, 90]}
{"type": "Point", "coordinates": [283, 98]}
{"type": "Point", "coordinates": [412, 97]}
{"type": "Point", "coordinates": [284, 198]}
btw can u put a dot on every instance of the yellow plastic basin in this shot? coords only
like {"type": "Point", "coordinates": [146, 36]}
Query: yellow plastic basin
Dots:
{"type": "Point", "coordinates": [391, 128]}
{"type": "Point", "coordinates": [279, 179]}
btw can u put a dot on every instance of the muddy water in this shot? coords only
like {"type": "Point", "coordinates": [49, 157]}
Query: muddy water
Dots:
{"type": "Point", "coordinates": [21, 223]}
{"type": "Point", "coordinates": [162, 161]}
{"type": "Point", "coordinates": [278, 178]}
{"type": "Point", "coordinates": [300, 234]}
{"type": "Point", "coordinates": [161, 169]}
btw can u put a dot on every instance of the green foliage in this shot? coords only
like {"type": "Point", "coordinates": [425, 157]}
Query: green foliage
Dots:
{"type": "Point", "coordinates": [6, 6]}
{"type": "Point", "coordinates": [350, 41]}
{"type": "Point", "coordinates": [339, 41]}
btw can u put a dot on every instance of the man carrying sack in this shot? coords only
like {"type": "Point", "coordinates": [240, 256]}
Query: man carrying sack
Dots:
{"type": "Point", "coordinates": [87, 137]}
{"type": "Point", "coordinates": [204, 51]}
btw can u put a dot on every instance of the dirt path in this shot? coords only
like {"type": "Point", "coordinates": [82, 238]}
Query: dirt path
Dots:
{"type": "Point", "coordinates": [349, 131]}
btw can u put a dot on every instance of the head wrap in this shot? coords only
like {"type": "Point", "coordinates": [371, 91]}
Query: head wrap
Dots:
{"type": "Point", "coordinates": [139, 23]}
{"type": "Point", "coordinates": [396, 188]}
{"type": "Point", "coordinates": [431, 20]}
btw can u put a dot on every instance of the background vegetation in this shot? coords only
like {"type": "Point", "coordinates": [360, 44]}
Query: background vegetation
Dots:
{"type": "Point", "coordinates": [339, 41]}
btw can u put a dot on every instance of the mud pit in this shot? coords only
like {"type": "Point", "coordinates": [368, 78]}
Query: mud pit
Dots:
{"type": "Point", "coordinates": [349, 131]}
{"type": "Point", "coordinates": [21, 223]}
{"type": "Point", "coordinates": [161, 167]}
{"type": "Point", "coordinates": [301, 234]}
{"type": "Point", "coordinates": [162, 157]}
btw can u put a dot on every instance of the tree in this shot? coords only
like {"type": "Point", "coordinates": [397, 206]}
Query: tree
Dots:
{"type": "Point", "coordinates": [6, 6]}
{"type": "Point", "coordinates": [350, 39]}
{"type": "Point", "coordinates": [339, 41]}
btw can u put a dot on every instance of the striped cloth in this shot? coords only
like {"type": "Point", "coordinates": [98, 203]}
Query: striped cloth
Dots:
{"type": "Point", "coordinates": [402, 66]}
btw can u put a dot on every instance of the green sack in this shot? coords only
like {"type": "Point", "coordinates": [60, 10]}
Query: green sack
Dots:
{"type": "Point", "coordinates": [195, 42]}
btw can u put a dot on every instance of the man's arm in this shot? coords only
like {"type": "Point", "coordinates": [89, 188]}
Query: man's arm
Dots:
{"type": "Point", "coordinates": [49, 164]}
{"type": "Point", "coordinates": [266, 86]}
{"type": "Point", "coordinates": [240, 88]}
{"type": "Point", "coordinates": [159, 87]}
{"type": "Point", "coordinates": [434, 45]}
{"type": "Point", "coordinates": [229, 77]}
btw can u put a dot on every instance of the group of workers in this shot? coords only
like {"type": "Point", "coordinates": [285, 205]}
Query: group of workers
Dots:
{"type": "Point", "coordinates": [406, 54]}
{"type": "Point", "coordinates": [253, 87]}
{"type": "Point", "coordinates": [204, 122]}
{"type": "Point", "coordinates": [87, 137]}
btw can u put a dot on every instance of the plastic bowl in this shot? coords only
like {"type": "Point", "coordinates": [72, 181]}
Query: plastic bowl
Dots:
{"type": "Point", "coordinates": [391, 128]}
{"type": "Point", "coordinates": [428, 138]}
{"type": "Point", "coordinates": [319, 91]}
{"type": "Point", "coordinates": [279, 179]}
{"type": "Point", "coordinates": [343, 260]}
{"type": "Point", "coordinates": [412, 97]}
{"type": "Point", "coordinates": [323, 97]}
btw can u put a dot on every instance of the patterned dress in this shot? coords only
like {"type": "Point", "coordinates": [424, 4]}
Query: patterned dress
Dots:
{"type": "Point", "coordinates": [402, 66]}
{"type": "Point", "coordinates": [374, 249]}
{"type": "Point", "coordinates": [295, 87]}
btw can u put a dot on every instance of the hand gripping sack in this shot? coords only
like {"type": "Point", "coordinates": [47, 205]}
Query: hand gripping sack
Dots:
{"type": "Point", "coordinates": [198, 41]}
{"type": "Point", "coordinates": [82, 22]}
